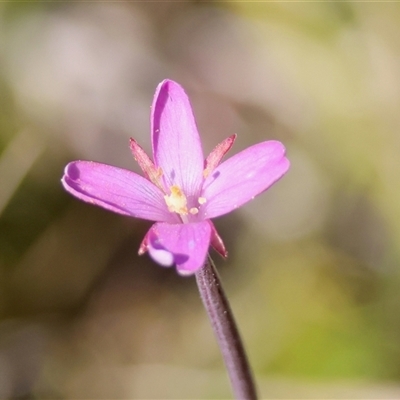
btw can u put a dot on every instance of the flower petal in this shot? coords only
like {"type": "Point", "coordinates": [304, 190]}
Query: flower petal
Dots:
{"type": "Point", "coordinates": [242, 177]}
{"type": "Point", "coordinates": [185, 244]}
{"type": "Point", "coordinates": [117, 190]}
{"type": "Point", "coordinates": [176, 143]}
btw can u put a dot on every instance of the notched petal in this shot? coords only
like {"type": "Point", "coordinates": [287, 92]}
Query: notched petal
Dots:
{"type": "Point", "coordinates": [185, 244]}
{"type": "Point", "coordinates": [242, 177]}
{"type": "Point", "coordinates": [72, 171]}
{"type": "Point", "coordinates": [159, 253]}
{"type": "Point", "coordinates": [116, 189]}
{"type": "Point", "coordinates": [175, 139]}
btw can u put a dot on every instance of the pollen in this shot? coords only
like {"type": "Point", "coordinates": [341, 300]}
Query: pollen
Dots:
{"type": "Point", "coordinates": [176, 201]}
{"type": "Point", "coordinates": [201, 200]}
{"type": "Point", "coordinates": [194, 211]}
{"type": "Point", "coordinates": [206, 172]}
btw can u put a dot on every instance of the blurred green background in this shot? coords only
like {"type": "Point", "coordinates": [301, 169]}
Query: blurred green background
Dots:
{"type": "Point", "coordinates": [313, 273]}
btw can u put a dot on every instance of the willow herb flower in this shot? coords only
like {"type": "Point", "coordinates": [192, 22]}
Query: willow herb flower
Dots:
{"type": "Point", "coordinates": [179, 191]}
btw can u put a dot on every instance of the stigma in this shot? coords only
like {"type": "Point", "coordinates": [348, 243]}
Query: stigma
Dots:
{"type": "Point", "coordinates": [176, 201]}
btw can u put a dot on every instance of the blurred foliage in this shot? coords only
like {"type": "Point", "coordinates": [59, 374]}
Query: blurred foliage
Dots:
{"type": "Point", "coordinates": [313, 271]}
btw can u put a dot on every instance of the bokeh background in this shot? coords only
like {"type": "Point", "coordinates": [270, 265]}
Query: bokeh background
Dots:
{"type": "Point", "coordinates": [313, 273]}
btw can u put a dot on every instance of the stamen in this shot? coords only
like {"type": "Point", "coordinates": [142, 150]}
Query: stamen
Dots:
{"type": "Point", "coordinates": [176, 201]}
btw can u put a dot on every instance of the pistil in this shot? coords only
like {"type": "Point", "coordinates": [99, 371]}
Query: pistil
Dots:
{"type": "Point", "coordinates": [176, 201]}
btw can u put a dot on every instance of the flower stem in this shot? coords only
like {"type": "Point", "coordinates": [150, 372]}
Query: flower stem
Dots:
{"type": "Point", "coordinates": [226, 331]}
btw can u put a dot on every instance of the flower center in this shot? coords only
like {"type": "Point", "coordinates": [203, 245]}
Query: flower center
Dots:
{"type": "Point", "coordinates": [176, 201]}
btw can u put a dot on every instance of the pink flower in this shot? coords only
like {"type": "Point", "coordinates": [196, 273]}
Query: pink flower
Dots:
{"type": "Point", "coordinates": [179, 191]}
